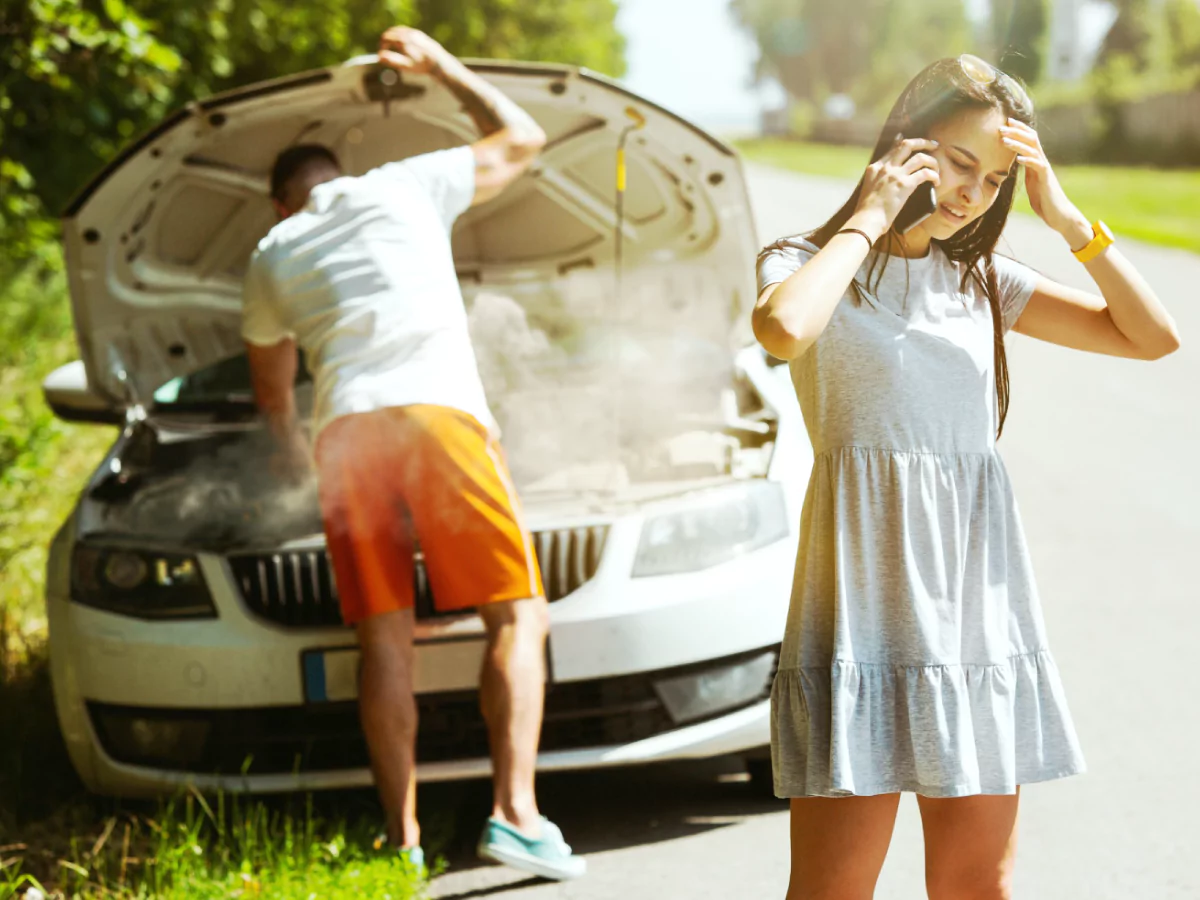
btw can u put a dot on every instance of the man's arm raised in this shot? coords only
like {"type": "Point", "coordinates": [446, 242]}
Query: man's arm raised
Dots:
{"type": "Point", "coordinates": [512, 139]}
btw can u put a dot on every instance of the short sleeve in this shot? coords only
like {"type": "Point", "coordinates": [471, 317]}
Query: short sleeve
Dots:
{"type": "Point", "coordinates": [779, 260]}
{"type": "Point", "coordinates": [448, 177]}
{"type": "Point", "coordinates": [262, 319]}
{"type": "Point", "coordinates": [1016, 282]}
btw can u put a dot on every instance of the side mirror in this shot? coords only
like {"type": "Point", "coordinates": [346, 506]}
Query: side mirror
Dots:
{"type": "Point", "coordinates": [71, 398]}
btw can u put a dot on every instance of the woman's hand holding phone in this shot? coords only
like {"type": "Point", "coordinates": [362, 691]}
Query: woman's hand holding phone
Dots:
{"type": "Point", "coordinates": [892, 180]}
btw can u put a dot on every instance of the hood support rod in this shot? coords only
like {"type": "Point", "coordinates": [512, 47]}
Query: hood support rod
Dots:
{"type": "Point", "coordinates": [637, 122]}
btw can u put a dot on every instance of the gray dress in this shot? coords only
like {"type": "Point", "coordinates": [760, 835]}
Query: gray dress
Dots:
{"type": "Point", "coordinates": [915, 656]}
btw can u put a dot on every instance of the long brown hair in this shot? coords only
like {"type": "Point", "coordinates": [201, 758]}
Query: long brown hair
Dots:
{"type": "Point", "coordinates": [938, 93]}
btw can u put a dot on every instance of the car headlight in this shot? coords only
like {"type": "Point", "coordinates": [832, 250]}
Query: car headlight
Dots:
{"type": "Point", "coordinates": [144, 585]}
{"type": "Point", "coordinates": [731, 522]}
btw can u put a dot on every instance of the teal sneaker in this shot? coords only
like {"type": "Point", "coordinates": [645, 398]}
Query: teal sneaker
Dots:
{"type": "Point", "coordinates": [412, 862]}
{"type": "Point", "coordinates": [412, 859]}
{"type": "Point", "coordinates": [548, 856]}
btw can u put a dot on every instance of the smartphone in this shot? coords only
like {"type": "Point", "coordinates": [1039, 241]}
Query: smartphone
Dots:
{"type": "Point", "coordinates": [919, 207]}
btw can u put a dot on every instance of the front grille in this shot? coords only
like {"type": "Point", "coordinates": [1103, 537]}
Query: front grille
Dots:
{"type": "Point", "coordinates": [296, 588]}
{"type": "Point", "coordinates": [324, 737]}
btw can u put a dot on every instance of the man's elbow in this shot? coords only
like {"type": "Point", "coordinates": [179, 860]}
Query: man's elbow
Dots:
{"type": "Point", "coordinates": [272, 374]}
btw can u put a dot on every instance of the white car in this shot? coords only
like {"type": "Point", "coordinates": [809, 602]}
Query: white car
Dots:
{"type": "Point", "coordinates": [194, 626]}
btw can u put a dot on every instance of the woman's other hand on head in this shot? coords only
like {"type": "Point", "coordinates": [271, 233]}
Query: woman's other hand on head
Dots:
{"type": "Point", "coordinates": [1046, 194]}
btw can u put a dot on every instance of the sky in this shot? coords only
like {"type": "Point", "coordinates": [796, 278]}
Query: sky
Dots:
{"type": "Point", "coordinates": [705, 71]}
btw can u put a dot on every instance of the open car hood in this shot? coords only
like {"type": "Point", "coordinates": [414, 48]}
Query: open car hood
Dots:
{"type": "Point", "coordinates": [157, 244]}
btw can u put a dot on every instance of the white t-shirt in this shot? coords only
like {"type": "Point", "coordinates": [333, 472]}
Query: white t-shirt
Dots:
{"type": "Point", "coordinates": [363, 278]}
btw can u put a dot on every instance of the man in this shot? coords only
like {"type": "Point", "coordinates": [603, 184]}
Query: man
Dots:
{"type": "Point", "coordinates": [359, 273]}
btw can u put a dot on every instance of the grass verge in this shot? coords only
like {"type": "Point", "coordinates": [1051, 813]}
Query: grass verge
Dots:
{"type": "Point", "coordinates": [193, 848]}
{"type": "Point", "coordinates": [1158, 206]}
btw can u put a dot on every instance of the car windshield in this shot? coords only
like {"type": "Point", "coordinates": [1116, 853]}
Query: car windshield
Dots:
{"type": "Point", "coordinates": [221, 385]}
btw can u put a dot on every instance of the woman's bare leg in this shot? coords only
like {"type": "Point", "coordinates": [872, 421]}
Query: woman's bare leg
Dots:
{"type": "Point", "coordinates": [839, 844]}
{"type": "Point", "coordinates": [970, 846]}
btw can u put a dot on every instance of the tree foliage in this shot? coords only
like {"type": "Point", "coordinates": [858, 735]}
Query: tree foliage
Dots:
{"type": "Point", "coordinates": [1152, 47]}
{"type": "Point", "coordinates": [868, 49]}
{"type": "Point", "coordinates": [79, 78]}
{"type": "Point", "coordinates": [1183, 34]}
{"type": "Point", "coordinates": [1020, 35]}
{"type": "Point", "coordinates": [1132, 34]}
{"type": "Point", "coordinates": [61, 61]}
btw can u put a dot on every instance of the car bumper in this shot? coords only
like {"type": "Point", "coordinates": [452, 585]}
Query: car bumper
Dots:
{"type": "Point", "coordinates": [743, 730]}
{"type": "Point", "coordinates": [603, 637]}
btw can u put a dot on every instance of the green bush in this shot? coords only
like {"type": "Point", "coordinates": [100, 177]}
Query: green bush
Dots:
{"type": "Point", "coordinates": [43, 461]}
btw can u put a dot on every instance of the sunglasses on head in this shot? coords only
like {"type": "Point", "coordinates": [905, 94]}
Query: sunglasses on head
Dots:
{"type": "Point", "coordinates": [982, 72]}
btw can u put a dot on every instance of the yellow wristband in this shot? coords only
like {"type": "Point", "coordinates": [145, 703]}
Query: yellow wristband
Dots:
{"type": "Point", "coordinates": [1102, 239]}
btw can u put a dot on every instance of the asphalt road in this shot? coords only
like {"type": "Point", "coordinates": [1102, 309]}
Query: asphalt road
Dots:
{"type": "Point", "coordinates": [1104, 455]}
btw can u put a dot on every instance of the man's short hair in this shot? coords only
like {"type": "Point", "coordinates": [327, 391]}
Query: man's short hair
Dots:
{"type": "Point", "coordinates": [294, 160]}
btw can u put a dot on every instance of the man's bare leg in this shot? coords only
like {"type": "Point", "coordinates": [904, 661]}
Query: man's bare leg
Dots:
{"type": "Point", "coordinates": [512, 692]}
{"type": "Point", "coordinates": [389, 718]}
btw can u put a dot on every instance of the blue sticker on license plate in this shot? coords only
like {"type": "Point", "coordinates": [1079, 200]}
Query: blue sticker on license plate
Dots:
{"type": "Point", "coordinates": [330, 675]}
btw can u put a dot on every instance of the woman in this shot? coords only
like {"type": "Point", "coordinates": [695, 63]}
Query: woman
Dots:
{"type": "Point", "coordinates": [915, 657]}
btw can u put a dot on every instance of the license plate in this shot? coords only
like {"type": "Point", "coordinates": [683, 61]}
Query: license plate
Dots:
{"type": "Point", "coordinates": [441, 665]}
{"type": "Point", "coordinates": [330, 675]}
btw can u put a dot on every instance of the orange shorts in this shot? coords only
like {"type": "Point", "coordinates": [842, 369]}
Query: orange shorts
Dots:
{"type": "Point", "coordinates": [400, 476]}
